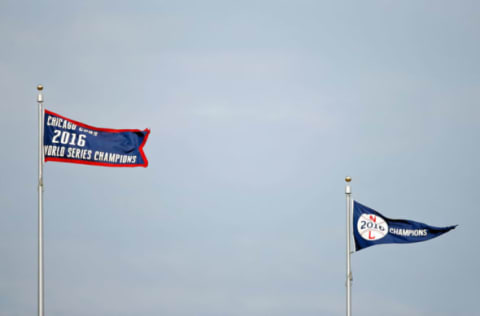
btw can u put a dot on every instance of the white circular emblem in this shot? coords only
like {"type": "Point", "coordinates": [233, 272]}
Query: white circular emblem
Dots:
{"type": "Point", "coordinates": [372, 227]}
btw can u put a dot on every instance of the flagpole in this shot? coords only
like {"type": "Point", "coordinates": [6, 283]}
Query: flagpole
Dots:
{"type": "Point", "coordinates": [41, 306]}
{"type": "Point", "coordinates": [348, 193]}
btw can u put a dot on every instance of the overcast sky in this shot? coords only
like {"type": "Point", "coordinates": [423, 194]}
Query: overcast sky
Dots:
{"type": "Point", "coordinates": [258, 110]}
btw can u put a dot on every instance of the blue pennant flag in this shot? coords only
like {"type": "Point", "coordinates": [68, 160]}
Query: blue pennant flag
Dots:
{"type": "Point", "coordinates": [372, 228]}
{"type": "Point", "coordinates": [66, 140]}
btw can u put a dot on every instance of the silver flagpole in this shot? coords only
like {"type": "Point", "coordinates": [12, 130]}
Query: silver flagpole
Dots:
{"type": "Point", "coordinates": [348, 193]}
{"type": "Point", "coordinates": [41, 307]}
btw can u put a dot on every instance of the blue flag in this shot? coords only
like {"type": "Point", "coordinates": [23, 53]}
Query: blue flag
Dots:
{"type": "Point", "coordinates": [66, 140]}
{"type": "Point", "coordinates": [372, 228]}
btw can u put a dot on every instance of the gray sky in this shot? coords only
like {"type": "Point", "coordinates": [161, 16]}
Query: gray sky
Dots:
{"type": "Point", "coordinates": [258, 110]}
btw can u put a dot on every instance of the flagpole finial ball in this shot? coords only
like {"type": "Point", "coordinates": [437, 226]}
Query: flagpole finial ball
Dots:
{"type": "Point", "coordinates": [39, 87]}
{"type": "Point", "coordinates": [348, 179]}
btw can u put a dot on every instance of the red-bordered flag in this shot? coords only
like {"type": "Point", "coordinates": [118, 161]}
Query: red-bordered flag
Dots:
{"type": "Point", "coordinates": [66, 140]}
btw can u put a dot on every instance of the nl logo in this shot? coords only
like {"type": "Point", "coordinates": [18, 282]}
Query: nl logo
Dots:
{"type": "Point", "coordinates": [372, 227]}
